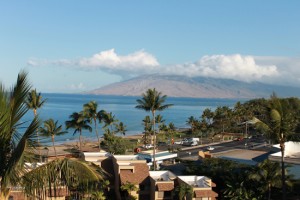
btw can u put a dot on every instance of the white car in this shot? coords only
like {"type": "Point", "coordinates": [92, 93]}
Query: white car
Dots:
{"type": "Point", "coordinates": [148, 146]}
{"type": "Point", "coordinates": [209, 148]}
{"type": "Point", "coordinates": [178, 142]}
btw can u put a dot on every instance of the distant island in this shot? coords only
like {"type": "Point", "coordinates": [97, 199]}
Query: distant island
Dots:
{"type": "Point", "coordinates": [197, 87]}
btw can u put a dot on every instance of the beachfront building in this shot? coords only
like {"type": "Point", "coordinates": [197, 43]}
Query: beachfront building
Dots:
{"type": "Point", "coordinates": [201, 187]}
{"type": "Point", "coordinates": [152, 185]}
{"type": "Point", "coordinates": [131, 169]}
{"type": "Point", "coordinates": [162, 184]}
{"type": "Point", "coordinates": [160, 156]}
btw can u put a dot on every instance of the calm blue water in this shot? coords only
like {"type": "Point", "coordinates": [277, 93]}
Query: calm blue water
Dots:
{"type": "Point", "coordinates": [60, 106]}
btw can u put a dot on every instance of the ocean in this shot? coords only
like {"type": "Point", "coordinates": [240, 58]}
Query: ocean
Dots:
{"type": "Point", "coordinates": [61, 106]}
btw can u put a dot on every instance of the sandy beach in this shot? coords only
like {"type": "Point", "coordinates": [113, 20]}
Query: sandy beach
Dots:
{"type": "Point", "coordinates": [87, 145]}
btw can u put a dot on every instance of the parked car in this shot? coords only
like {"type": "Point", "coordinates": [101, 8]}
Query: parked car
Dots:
{"type": "Point", "coordinates": [148, 146]}
{"type": "Point", "coordinates": [193, 143]}
{"type": "Point", "coordinates": [238, 139]}
{"type": "Point", "coordinates": [190, 143]}
{"type": "Point", "coordinates": [209, 148]}
{"type": "Point", "coordinates": [161, 144]}
{"type": "Point", "coordinates": [178, 142]}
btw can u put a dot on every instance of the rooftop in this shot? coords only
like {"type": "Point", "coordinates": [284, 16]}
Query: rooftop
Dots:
{"type": "Point", "coordinates": [196, 181]}
{"type": "Point", "coordinates": [162, 175]}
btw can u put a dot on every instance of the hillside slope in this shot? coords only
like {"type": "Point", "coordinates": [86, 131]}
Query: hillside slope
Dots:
{"type": "Point", "coordinates": [200, 87]}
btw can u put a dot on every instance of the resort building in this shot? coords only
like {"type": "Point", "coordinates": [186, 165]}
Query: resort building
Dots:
{"type": "Point", "coordinates": [162, 184]}
{"type": "Point", "coordinates": [201, 187]}
{"type": "Point", "coordinates": [150, 185]}
{"type": "Point", "coordinates": [131, 169]}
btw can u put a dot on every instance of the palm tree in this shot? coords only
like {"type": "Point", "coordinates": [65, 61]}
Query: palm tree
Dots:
{"type": "Point", "coordinates": [121, 128]}
{"type": "Point", "coordinates": [159, 120]}
{"type": "Point", "coordinates": [267, 172]}
{"type": "Point", "coordinates": [153, 101]}
{"type": "Point", "coordinates": [237, 187]}
{"type": "Point", "coordinates": [171, 130]}
{"type": "Point", "coordinates": [183, 190]}
{"type": "Point", "coordinates": [34, 101]}
{"type": "Point", "coordinates": [51, 129]}
{"type": "Point", "coordinates": [278, 128]}
{"type": "Point", "coordinates": [192, 121]}
{"type": "Point", "coordinates": [147, 128]}
{"type": "Point", "coordinates": [129, 187]}
{"type": "Point", "coordinates": [74, 174]}
{"type": "Point", "coordinates": [17, 144]}
{"type": "Point", "coordinates": [78, 122]}
{"type": "Point", "coordinates": [109, 119]}
{"type": "Point", "coordinates": [90, 111]}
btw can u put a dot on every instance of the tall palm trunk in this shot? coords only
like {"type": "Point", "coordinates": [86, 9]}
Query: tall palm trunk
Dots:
{"type": "Point", "coordinates": [269, 189]}
{"type": "Point", "coordinates": [283, 172]}
{"type": "Point", "coordinates": [282, 147]}
{"type": "Point", "coordinates": [38, 139]}
{"type": "Point", "coordinates": [80, 140]}
{"type": "Point", "coordinates": [154, 141]}
{"type": "Point", "coordinates": [52, 137]}
{"type": "Point", "coordinates": [95, 121]}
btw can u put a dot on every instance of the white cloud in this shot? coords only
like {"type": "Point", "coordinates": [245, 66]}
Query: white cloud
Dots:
{"type": "Point", "coordinates": [238, 67]}
{"type": "Point", "coordinates": [78, 86]}
{"type": "Point", "coordinates": [129, 65]}
{"type": "Point", "coordinates": [288, 67]}
{"type": "Point", "coordinates": [280, 70]}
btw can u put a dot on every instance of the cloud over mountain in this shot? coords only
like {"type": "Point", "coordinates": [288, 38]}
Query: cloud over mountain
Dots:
{"type": "Point", "coordinates": [237, 67]}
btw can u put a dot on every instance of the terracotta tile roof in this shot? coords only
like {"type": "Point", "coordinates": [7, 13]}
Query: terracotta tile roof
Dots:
{"type": "Point", "coordinates": [141, 173]}
{"type": "Point", "coordinates": [205, 193]}
{"type": "Point", "coordinates": [213, 184]}
{"type": "Point", "coordinates": [165, 186]}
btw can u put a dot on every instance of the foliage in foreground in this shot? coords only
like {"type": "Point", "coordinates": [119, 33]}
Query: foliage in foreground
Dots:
{"type": "Point", "coordinates": [16, 142]}
{"type": "Point", "coordinates": [69, 173]}
{"type": "Point", "coordinates": [240, 181]}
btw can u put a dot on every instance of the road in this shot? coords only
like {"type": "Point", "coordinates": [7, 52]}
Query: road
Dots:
{"type": "Point", "coordinates": [256, 144]}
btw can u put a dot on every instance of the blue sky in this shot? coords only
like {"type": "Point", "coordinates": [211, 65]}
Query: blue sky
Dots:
{"type": "Point", "coordinates": [73, 46]}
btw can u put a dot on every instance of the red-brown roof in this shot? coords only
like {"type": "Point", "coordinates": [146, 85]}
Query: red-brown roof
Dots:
{"type": "Point", "coordinates": [141, 173]}
{"type": "Point", "coordinates": [165, 186]}
{"type": "Point", "coordinates": [205, 193]}
{"type": "Point", "coordinates": [213, 184]}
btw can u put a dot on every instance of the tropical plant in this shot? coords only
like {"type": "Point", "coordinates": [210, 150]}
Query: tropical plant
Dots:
{"type": "Point", "coordinates": [129, 188]}
{"type": "Point", "coordinates": [147, 129]}
{"type": "Point", "coordinates": [192, 121]}
{"type": "Point", "coordinates": [78, 122]}
{"type": "Point", "coordinates": [222, 118]}
{"type": "Point", "coordinates": [98, 195]}
{"type": "Point", "coordinates": [159, 120]}
{"type": "Point", "coordinates": [114, 144]}
{"type": "Point", "coordinates": [121, 128]}
{"type": "Point", "coordinates": [73, 174]}
{"type": "Point", "coordinates": [239, 187]}
{"type": "Point", "coordinates": [279, 128]}
{"type": "Point", "coordinates": [153, 101]}
{"type": "Point", "coordinates": [90, 112]}
{"type": "Point", "coordinates": [183, 191]}
{"type": "Point", "coordinates": [109, 119]}
{"type": "Point", "coordinates": [17, 138]}
{"type": "Point", "coordinates": [34, 101]}
{"type": "Point", "coordinates": [51, 129]}
{"type": "Point", "coordinates": [268, 173]}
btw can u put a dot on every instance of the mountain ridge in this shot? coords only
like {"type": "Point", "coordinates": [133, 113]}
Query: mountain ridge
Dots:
{"type": "Point", "coordinates": [196, 87]}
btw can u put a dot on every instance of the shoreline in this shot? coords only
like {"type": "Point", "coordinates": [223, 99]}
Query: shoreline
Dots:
{"type": "Point", "coordinates": [65, 148]}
